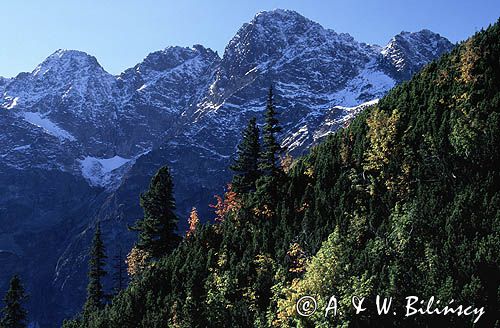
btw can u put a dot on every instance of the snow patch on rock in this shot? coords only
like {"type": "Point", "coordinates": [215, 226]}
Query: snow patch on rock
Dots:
{"type": "Point", "coordinates": [102, 172]}
{"type": "Point", "coordinates": [13, 102]}
{"type": "Point", "coordinates": [48, 126]}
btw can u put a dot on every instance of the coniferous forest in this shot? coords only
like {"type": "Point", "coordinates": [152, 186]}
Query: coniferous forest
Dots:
{"type": "Point", "coordinates": [404, 201]}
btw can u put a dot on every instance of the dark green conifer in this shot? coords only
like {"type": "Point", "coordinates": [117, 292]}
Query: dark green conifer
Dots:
{"type": "Point", "coordinates": [157, 227]}
{"type": "Point", "coordinates": [246, 164]}
{"type": "Point", "coordinates": [14, 315]}
{"type": "Point", "coordinates": [120, 271]}
{"type": "Point", "coordinates": [271, 148]}
{"type": "Point", "coordinates": [95, 291]}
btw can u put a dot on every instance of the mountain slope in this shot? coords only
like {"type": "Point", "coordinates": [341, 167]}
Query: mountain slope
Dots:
{"type": "Point", "coordinates": [71, 132]}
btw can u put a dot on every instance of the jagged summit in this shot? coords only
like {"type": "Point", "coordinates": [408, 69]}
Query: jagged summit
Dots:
{"type": "Point", "coordinates": [70, 53]}
{"type": "Point", "coordinates": [173, 56]}
{"type": "Point", "coordinates": [279, 12]}
{"type": "Point", "coordinates": [279, 27]}
{"type": "Point", "coordinates": [290, 21]}
{"type": "Point", "coordinates": [408, 51]}
{"type": "Point", "coordinates": [434, 41]}
{"type": "Point", "coordinates": [69, 84]}
{"type": "Point", "coordinates": [423, 32]}
{"type": "Point", "coordinates": [64, 60]}
{"type": "Point", "coordinates": [170, 79]}
{"type": "Point", "coordinates": [281, 16]}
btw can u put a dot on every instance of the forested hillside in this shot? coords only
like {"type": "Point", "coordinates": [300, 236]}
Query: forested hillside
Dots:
{"type": "Point", "coordinates": [404, 201]}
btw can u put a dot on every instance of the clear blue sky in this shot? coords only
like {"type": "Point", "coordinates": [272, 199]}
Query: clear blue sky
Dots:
{"type": "Point", "coordinates": [121, 32]}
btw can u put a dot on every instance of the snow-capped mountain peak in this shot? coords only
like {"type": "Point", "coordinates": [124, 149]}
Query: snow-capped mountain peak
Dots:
{"type": "Point", "coordinates": [269, 32]}
{"type": "Point", "coordinates": [408, 51]}
{"type": "Point", "coordinates": [171, 57]}
{"type": "Point", "coordinates": [281, 18]}
{"type": "Point", "coordinates": [65, 76]}
{"type": "Point", "coordinates": [66, 61]}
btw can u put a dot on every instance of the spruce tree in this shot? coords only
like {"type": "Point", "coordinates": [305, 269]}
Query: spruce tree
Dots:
{"type": "Point", "coordinates": [157, 228]}
{"type": "Point", "coordinates": [271, 147]}
{"type": "Point", "coordinates": [14, 315]}
{"type": "Point", "coordinates": [95, 291]}
{"type": "Point", "coordinates": [120, 271]}
{"type": "Point", "coordinates": [246, 164]}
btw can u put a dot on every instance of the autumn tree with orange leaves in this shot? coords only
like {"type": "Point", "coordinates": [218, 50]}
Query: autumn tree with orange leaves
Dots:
{"type": "Point", "coordinates": [193, 222]}
{"type": "Point", "coordinates": [225, 205]}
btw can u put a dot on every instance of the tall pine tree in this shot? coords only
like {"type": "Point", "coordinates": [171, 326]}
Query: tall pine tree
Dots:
{"type": "Point", "coordinates": [120, 271]}
{"type": "Point", "coordinates": [267, 192]}
{"type": "Point", "coordinates": [157, 228]}
{"type": "Point", "coordinates": [271, 148]}
{"type": "Point", "coordinates": [246, 164]}
{"type": "Point", "coordinates": [14, 315]}
{"type": "Point", "coordinates": [95, 291]}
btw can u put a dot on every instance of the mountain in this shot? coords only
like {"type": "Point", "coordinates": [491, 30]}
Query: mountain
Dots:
{"type": "Point", "coordinates": [407, 52]}
{"type": "Point", "coordinates": [79, 145]}
{"type": "Point", "coordinates": [400, 208]}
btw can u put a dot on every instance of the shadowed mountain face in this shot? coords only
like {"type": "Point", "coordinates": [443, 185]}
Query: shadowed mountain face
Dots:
{"type": "Point", "coordinates": [79, 144]}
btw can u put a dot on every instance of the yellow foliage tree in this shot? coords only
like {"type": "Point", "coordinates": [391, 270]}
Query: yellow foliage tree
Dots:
{"type": "Point", "coordinates": [382, 132]}
{"type": "Point", "coordinates": [286, 163]}
{"type": "Point", "coordinates": [327, 274]}
{"type": "Point", "coordinates": [193, 222]}
{"type": "Point", "coordinates": [137, 260]}
{"type": "Point", "coordinates": [468, 60]}
{"type": "Point", "coordinates": [298, 258]}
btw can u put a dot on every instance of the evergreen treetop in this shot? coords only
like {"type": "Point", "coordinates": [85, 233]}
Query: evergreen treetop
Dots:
{"type": "Point", "coordinates": [120, 271]}
{"type": "Point", "coordinates": [246, 164]}
{"type": "Point", "coordinates": [14, 315]}
{"type": "Point", "coordinates": [157, 227]}
{"type": "Point", "coordinates": [271, 147]}
{"type": "Point", "coordinates": [95, 291]}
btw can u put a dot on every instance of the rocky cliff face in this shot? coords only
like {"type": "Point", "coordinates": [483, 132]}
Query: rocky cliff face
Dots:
{"type": "Point", "coordinates": [79, 144]}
